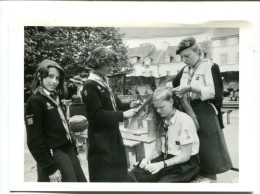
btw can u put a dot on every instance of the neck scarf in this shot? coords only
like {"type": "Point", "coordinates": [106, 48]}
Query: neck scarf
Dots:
{"type": "Point", "coordinates": [191, 72]}
{"type": "Point", "coordinates": [104, 82]}
{"type": "Point", "coordinates": [165, 127]}
{"type": "Point", "coordinates": [61, 113]}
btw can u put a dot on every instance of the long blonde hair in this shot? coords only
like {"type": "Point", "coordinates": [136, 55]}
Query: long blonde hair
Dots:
{"type": "Point", "coordinates": [160, 94]}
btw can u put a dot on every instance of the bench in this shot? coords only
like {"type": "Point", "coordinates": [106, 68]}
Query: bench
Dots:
{"type": "Point", "coordinates": [228, 107]}
{"type": "Point", "coordinates": [134, 145]}
{"type": "Point", "coordinates": [228, 111]}
{"type": "Point", "coordinates": [134, 151]}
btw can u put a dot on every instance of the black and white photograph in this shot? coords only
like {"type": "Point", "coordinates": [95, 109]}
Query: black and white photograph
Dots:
{"type": "Point", "coordinates": [151, 74]}
{"type": "Point", "coordinates": [110, 103]}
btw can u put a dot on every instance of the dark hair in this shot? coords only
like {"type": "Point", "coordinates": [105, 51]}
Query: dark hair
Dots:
{"type": "Point", "coordinates": [101, 56]}
{"type": "Point", "coordinates": [75, 98]}
{"type": "Point", "coordinates": [42, 71]}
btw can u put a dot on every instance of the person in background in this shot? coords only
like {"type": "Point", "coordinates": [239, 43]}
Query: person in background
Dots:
{"type": "Point", "coordinates": [72, 89]}
{"type": "Point", "coordinates": [175, 155]}
{"type": "Point", "coordinates": [106, 155]}
{"type": "Point", "coordinates": [77, 81]}
{"type": "Point", "coordinates": [77, 108]}
{"type": "Point", "coordinates": [198, 81]}
{"type": "Point", "coordinates": [48, 136]}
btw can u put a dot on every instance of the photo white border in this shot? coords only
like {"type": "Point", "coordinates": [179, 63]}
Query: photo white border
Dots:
{"type": "Point", "coordinates": [244, 15]}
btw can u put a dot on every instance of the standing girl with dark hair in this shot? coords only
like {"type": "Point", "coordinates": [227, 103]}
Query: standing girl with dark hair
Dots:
{"type": "Point", "coordinates": [48, 135]}
{"type": "Point", "coordinates": [106, 155]}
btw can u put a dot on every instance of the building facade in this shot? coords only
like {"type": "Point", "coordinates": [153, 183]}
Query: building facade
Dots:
{"type": "Point", "coordinates": [149, 61]}
{"type": "Point", "coordinates": [225, 49]}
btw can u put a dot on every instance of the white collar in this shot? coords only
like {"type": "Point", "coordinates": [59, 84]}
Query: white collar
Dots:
{"type": "Point", "coordinates": [46, 92]}
{"type": "Point", "coordinates": [98, 79]}
{"type": "Point", "coordinates": [173, 119]}
{"type": "Point", "coordinates": [94, 76]}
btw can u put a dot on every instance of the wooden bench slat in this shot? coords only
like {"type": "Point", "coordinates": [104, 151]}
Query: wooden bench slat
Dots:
{"type": "Point", "coordinates": [141, 138]}
{"type": "Point", "coordinates": [131, 143]}
{"type": "Point", "coordinates": [134, 131]}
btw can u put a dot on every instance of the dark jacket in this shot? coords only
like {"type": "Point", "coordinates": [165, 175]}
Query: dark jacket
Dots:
{"type": "Point", "coordinates": [106, 156]}
{"type": "Point", "coordinates": [218, 85]}
{"type": "Point", "coordinates": [45, 130]}
{"type": "Point", "coordinates": [77, 109]}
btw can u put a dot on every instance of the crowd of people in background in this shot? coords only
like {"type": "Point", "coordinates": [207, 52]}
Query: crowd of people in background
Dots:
{"type": "Point", "coordinates": [181, 152]}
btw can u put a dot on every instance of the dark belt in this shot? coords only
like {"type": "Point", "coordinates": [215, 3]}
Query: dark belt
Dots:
{"type": "Point", "coordinates": [200, 102]}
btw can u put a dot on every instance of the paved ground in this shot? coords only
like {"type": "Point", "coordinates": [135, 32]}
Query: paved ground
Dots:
{"type": "Point", "coordinates": [231, 133]}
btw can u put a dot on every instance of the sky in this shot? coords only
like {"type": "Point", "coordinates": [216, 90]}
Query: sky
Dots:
{"type": "Point", "coordinates": [134, 36]}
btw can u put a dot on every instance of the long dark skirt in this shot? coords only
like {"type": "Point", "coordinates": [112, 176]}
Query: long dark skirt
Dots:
{"type": "Point", "coordinates": [106, 156]}
{"type": "Point", "coordinates": [184, 172]}
{"type": "Point", "coordinates": [213, 153]}
{"type": "Point", "coordinates": [68, 163]}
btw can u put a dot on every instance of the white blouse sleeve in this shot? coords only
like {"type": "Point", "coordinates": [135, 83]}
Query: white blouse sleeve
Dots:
{"type": "Point", "coordinates": [208, 90]}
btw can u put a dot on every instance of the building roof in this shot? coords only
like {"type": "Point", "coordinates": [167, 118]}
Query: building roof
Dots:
{"type": "Point", "coordinates": [225, 32]}
{"type": "Point", "coordinates": [171, 50]}
{"type": "Point", "coordinates": [158, 56]}
{"type": "Point", "coordinates": [142, 51]}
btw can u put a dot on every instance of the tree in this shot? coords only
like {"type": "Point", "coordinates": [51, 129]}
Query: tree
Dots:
{"type": "Point", "coordinates": [70, 47]}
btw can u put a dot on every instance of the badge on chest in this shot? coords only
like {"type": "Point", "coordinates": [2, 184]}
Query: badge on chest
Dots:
{"type": "Point", "coordinates": [49, 106]}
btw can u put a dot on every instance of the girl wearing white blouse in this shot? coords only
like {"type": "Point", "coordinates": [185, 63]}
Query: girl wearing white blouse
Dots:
{"type": "Point", "coordinates": [175, 155]}
{"type": "Point", "coordinates": [198, 83]}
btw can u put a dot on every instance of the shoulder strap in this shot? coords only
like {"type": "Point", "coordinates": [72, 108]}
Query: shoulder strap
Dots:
{"type": "Point", "coordinates": [177, 80]}
{"type": "Point", "coordinates": [218, 84]}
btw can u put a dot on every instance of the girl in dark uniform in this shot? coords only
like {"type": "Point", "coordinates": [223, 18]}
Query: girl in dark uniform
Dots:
{"type": "Point", "coordinates": [106, 156]}
{"type": "Point", "coordinates": [48, 135]}
{"type": "Point", "coordinates": [197, 81]}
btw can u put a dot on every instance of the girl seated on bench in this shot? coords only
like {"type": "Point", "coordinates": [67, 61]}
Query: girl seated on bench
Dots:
{"type": "Point", "coordinates": [175, 155]}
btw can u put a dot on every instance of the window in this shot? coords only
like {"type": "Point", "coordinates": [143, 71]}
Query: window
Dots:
{"type": "Point", "coordinates": [135, 60]}
{"type": "Point", "coordinates": [168, 59]}
{"type": "Point", "coordinates": [223, 42]}
{"type": "Point", "coordinates": [147, 61]}
{"type": "Point", "coordinates": [168, 73]}
{"type": "Point", "coordinates": [224, 59]}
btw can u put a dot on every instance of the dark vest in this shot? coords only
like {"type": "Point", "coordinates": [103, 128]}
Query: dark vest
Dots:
{"type": "Point", "coordinates": [218, 85]}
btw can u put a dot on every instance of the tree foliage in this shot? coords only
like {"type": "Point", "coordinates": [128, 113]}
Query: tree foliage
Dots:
{"type": "Point", "coordinates": [70, 47]}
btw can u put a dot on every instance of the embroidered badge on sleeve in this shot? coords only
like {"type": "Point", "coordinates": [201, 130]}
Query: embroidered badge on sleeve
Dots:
{"type": "Point", "coordinates": [85, 93]}
{"type": "Point", "coordinates": [29, 119]}
{"type": "Point", "coordinates": [187, 133]}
